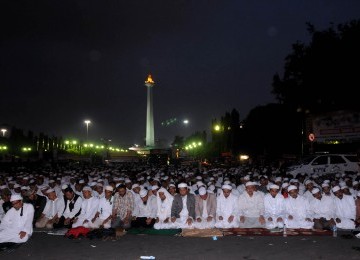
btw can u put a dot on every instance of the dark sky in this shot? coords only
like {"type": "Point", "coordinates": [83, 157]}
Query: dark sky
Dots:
{"type": "Point", "coordinates": [62, 62]}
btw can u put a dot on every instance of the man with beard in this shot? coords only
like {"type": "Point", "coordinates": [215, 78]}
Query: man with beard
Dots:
{"type": "Point", "coordinates": [145, 210]}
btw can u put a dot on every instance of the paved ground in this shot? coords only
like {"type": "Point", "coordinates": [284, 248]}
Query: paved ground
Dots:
{"type": "Point", "coordinates": [129, 246]}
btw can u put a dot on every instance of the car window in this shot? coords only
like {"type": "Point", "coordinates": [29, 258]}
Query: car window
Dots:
{"type": "Point", "coordinates": [352, 158]}
{"type": "Point", "coordinates": [336, 159]}
{"type": "Point", "coordinates": [321, 160]}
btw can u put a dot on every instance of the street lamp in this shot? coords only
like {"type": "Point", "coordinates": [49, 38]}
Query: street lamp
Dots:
{"type": "Point", "coordinates": [3, 130]}
{"type": "Point", "coordinates": [87, 122]}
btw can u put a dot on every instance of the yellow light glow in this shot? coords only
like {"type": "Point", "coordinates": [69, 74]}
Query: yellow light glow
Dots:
{"type": "Point", "coordinates": [217, 127]}
{"type": "Point", "coordinates": [149, 80]}
{"type": "Point", "coordinates": [244, 157]}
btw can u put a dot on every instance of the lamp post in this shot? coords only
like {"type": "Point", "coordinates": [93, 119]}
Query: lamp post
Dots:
{"type": "Point", "coordinates": [87, 122]}
{"type": "Point", "coordinates": [3, 130]}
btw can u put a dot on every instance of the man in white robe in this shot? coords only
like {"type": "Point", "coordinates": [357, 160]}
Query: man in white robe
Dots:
{"type": "Point", "coordinates": [226, 209]}
{"type": "Point", "coordinates": [251, 207]}
{"type": "Point", "coordinates": [345, 209]}
{"type": "Point", "coordinates": [89, 207]}
{"type": "Point", "coordinates": [102, 218]}
{"type": "Point", "coordinates": [52, 212]}
{"type": "Point", "coordinates": [144, 214]}
{"type": "Point", "coordinates": [205, 209]}
{"type": "Point", "coordinates": [16, 226]}
{"type": "Point", "coordinates": [297, 210]}
{"type": "Point", "coordinates": [322, 210]}
{"type": "Point", "coordinates": [164, 202]}
{"type": "Point", "coordinates": [274, 204]}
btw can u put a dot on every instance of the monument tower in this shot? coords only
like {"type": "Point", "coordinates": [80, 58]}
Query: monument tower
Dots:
{"type": "Point", "coordinates": [150, 139]}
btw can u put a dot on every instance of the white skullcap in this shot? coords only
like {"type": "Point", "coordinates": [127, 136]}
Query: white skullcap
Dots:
{"type": "Point", "coordinates": [154, 187]}
{"type": "Point", "coordinates": [17, 186]}
{"type": "Point", "coordinates": [250, 183]}
{"type": "Point", "coordinates": [92, 184]}
{"type": "Point", "coordinates": [278, 179]}
{"type": "Point", "coordinates": [135, 185]}
{"type": "Point", "coordinates": [355, 183]}
{"type": "Point", "coordinates": [143, 193]}
{"type": "Point", "coordinates": [81, 181]}
{"type": "Point", "coordinates": [274, 186]}
{"type": "Point", "coordinates": [292, 187]}
{"type": "Point", "coordinates": [202, 191]}
{"type": "Point", "coordinates": [198, 177]}
{"type": "Point", "coordinates": [99, 185]}
{"type": "Point", "coordinates": [51, 181]}
{"type": "Point", "coordinates": [358, 194]}
{"type": "Point", "coordinates": [15, 197]}
{"type": "Point", "coordinates": [50, 190]}
{"type": "Point", "coordinates": [109, 188]}
{"type": "Point", "coordinates": [247, 177]}
{"type": "Point", "coordinates": [335, 189]}
{"type": "Point", "coordinates": [182, 185]}
{"type": "Point", "coordinates": [325, 184]}
{"type": "Point", "coordinates": [64, 186]}
{"type": "Point", "coordinates": [226, 187]}
{"type": "Point", "coordinates": [87, 188]}
{"type": "Point", "coordinates": [315, 190]}
{"type": "Point", "coordinates": [171, 185]}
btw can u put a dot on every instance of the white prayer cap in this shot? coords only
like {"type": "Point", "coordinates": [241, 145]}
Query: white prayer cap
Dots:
{"type": "Point", "coordinates": [81, 181]}
{"type": "Point", "coordinates": [355, 183]}
{"type": "Point", "coordinates": [325, 184]}
{"type": "Point", "coordinates": [202, 191]}
{"type": "Point", "coordinates": [358, 194]}
{"type": "Point", "coordinates": [17, 186]}
{"type": "Point", "coordinates": [44, 187]}
{"type": "Point", "coordinates": [307, 182]}
{"type": "Point", "coordinates": [15, 197]}
{"type": "Point", "coordinates": [87, 188]}
{"type": "Point", "coordinates": [315, 190]}
{"type": "Point", "coordinates": [198, 177]}
{"type": "Point", "coordinates": [91, 184]}
{"type": "Point", "coordinates": [154, 187]}
{"type": "Point", "coordinates": [99, 185]}
{"type": "Point", "coordinates": [64, 186]}
{"type": "Point", "coordinates": [250, 183]}
{"type": "Point", "coordinates": [182, 185]}
{"type": "Point", "coordinates": [109, 188]}
{"type": "Point", "coordinates": [247, 177]}
{"type": "Point", "coordinates": [50, 190]}
{"type": "Point", "coordinates": [226, 187]}
{"type": "Point", "coordinates": [292, 187]}
{"type": "Point", "coordinates": [172, 185]}
{"type": "Point", "coordinates": [135, 185]}
{"type": "Point", "coordinates": [274, 186]}
{"type": "Point", "coordinates": [294, 180]}
{"type": "Point", "coordinates": [335, 189]}
{"type": "Point", "coordinates": [51, 181]}
{"type": "Point", "coordinates": [143, 193]}
{"type": "Point", "coordinates": [278, 179]}
{"type": "Point", "coordinates": [25, 188]}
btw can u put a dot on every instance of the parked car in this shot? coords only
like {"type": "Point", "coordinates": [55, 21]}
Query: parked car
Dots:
{"type": "Point", "coordinates": [325, 164]}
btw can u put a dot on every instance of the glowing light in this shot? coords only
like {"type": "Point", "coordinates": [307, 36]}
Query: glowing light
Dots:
{"type": "Point", "coordinates": [217, 127]}
{"type": "Point", "coordinates": [149, 80]}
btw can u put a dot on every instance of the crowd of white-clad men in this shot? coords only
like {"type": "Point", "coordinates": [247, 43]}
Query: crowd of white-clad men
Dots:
{"type": "Point", "coordinates": [172, 198]}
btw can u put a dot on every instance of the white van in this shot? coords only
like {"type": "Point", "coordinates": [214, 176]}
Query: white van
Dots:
{"type": "Point", "coordinates": [325, 164]}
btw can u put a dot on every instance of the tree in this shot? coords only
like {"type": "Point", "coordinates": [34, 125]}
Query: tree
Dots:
{"type": "Point", "coordinates": [322, 75]}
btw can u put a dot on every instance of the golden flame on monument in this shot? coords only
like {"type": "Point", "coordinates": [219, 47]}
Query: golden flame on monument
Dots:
{"type": "Point", "coordinates": [149, 80]}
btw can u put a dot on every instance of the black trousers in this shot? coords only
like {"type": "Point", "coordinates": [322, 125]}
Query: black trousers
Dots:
{"type": "Point", "coordinates": [141, 222]}
{"type": "Point", "coordinates": [61, 224]}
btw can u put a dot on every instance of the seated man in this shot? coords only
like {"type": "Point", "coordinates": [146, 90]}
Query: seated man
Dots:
{"type": "Point", "coordinates": [345, 209]}
{"type": "Point", "coordinates": [16, 226]}
{"type": "Point", "coordinates": [123, 208]}
{"type": "Point", "coordinates": [183, 208]}
{"type": "Point", "coordinates": [72, 208]}
{"type": "Point", "coordinates": [164, 203]}
{"type": "Point", "coordinates": [145, 210]}
{"type": "Point", "coordinates": [251, 207]}
{"type": "Point", "coordinates": [52, 211]}
{"type": "Point", "coordinates": [297, 210]}
{"type": "Point", "coordinates": [102, 218]}
{"type": "Point", "coordinates": [274, 204]}
{"type": "Point", "coordinates": [205, 209]}
{"type": "Point", "coordinates": [322, 210]}
{"type": "Point", "coordinates": [89, 207]}
{"type": "Point", "coordinates": [226, 209]}
{"type": "Point", "coordinates": [38, 203]}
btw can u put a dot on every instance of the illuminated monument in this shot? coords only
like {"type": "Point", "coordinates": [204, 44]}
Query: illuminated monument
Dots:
{"type": "Point", "coordinates": [150, 139]}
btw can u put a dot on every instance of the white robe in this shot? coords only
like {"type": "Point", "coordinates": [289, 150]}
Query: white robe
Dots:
{"type": "Point", "coordinates": [345, 210]}
{"type": "Point", "coordinates": [204, 224]}
{"type": "Point", "coordinates": [299, 209]}
{"type": "Point", "coordinates": [105, 210]}
{"type": "Point", "coordinates": [89, 208]}
{"type": "Point", "coordinates": [274, 208]}
{"type": "Point", "coordinates": [251, 208]}
{"type": "Point", "coordinates": [226, 207]}
{"type": "Point", "coordinates": [164, 210]}
{"type": "Point", "coordinates": [13, 223]}
{"type": "Point", "coordinates": [324, 208]}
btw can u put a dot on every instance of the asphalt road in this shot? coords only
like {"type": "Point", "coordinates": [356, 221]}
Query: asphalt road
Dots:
{"type": "Point", "coordinates": [131, 246]}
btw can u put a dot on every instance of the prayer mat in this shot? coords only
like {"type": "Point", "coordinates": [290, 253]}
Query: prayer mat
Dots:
{"type": "Point", "coordinates": [274, 232]}
{"type": "Point", "coordinates": [8, 247]}
{"type": "Point", "coordinates": [152, 231]}
{"type": "Point", "coordinates": [209, 232]}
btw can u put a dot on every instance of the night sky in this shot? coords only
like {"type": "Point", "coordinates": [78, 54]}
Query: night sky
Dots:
{"type": "Point", "coordinates": [62, 62]}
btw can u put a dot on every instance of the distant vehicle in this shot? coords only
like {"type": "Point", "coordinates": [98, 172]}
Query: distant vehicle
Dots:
{"type": "Point", "coordinates": [326, 164]}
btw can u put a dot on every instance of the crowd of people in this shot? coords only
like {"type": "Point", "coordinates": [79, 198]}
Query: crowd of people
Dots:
{"type": "Point", "coordinates": [140, 196]}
